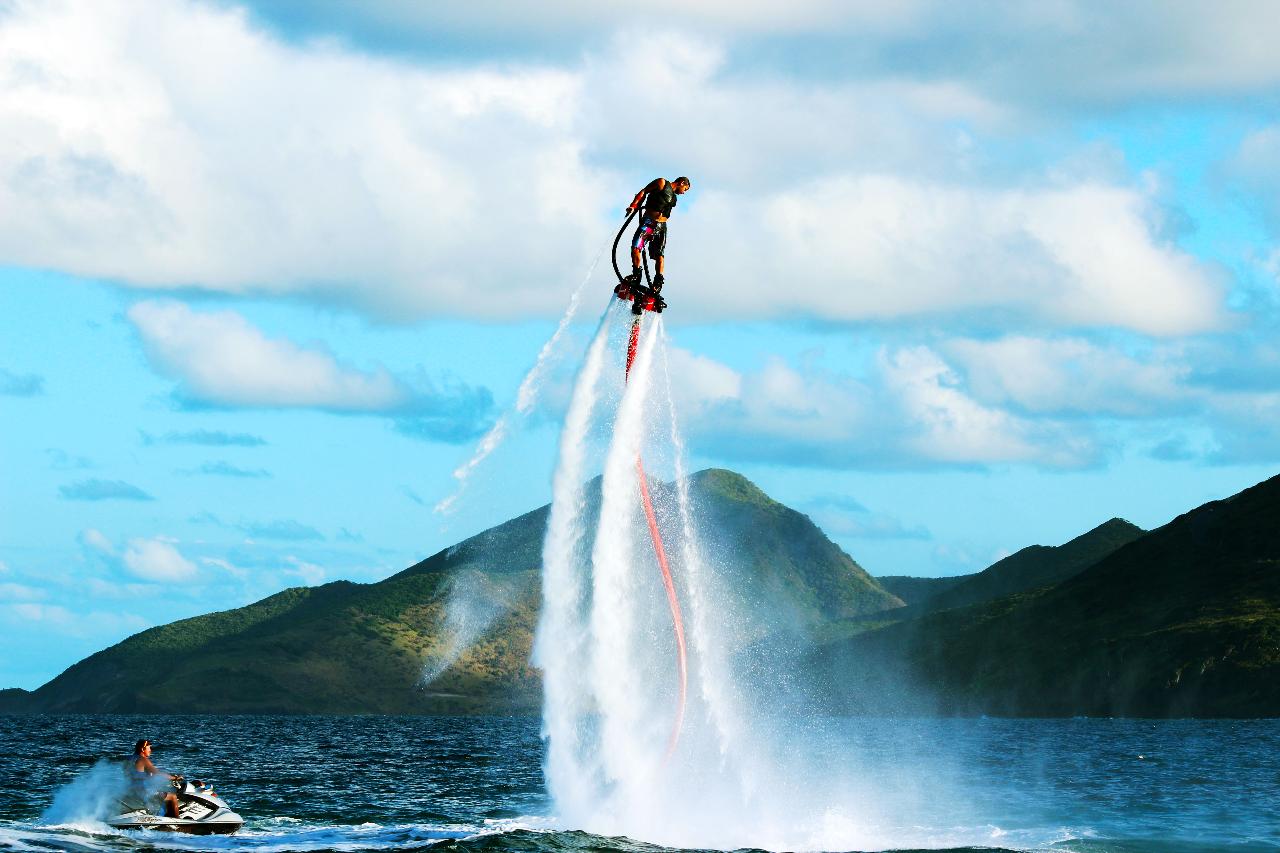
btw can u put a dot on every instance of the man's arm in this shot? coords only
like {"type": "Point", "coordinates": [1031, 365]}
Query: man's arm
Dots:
{"type": "Point", "coordinates": [150, 769]}
{"type": "Point", "coordinates": [653, 186]}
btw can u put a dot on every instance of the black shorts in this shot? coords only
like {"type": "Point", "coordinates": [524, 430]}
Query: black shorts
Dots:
{"type": "Point", "coordinates": [651, 234]}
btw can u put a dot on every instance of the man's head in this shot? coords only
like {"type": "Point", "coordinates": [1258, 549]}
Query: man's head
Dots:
{"type": "Point", "coordinates": [142, 747]}
{"type": "Point", "coordinates": [681, 184]}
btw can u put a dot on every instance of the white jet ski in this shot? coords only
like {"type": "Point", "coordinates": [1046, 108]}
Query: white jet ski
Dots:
{"type": "Point", "coordinates": [200, 812]}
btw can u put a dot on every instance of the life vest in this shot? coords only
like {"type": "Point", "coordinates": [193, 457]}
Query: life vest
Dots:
{"type": "Point", "coordinates": [660, 202]}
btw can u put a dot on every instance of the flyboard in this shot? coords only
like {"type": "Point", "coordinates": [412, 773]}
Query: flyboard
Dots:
{"type": "Point", "coordinates": [645, 299]}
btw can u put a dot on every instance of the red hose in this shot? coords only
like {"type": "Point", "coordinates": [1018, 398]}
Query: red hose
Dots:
{"type": "Point", "coordinates": [677, 621]}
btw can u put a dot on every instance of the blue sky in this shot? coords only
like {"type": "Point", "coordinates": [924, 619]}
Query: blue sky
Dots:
{"type": "Point", "coordinates": [952, 283]}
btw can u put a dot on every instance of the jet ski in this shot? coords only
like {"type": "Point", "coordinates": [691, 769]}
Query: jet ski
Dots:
{"type": "Point", "coordinates": [200, 812]}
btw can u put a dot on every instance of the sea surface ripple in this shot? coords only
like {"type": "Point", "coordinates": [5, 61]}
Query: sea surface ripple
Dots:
{"type": "Point", "coordinates": [474, 785]}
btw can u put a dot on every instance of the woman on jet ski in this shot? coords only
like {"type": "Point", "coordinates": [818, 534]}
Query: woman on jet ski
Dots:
{"type": "Point", "coordinates": [142, 772]}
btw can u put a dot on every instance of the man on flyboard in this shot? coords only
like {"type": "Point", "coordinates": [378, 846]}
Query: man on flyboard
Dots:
{"type": "Point", "coordinates": [655, 203]}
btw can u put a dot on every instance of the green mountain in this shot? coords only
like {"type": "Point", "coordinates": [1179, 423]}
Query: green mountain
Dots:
{"type": "Point", "coordinates": [13, 700]}
{"type": "Point", "coordinates": [362, 648]}
{"type": "Point", "coordinates": [914, 590]}
{"type": "Point", "coordinates": [1034, 566]}
{"type": "Point", "coordinates": [1183, 621]}
{"type": "Point", "coordinates": [778, 557]}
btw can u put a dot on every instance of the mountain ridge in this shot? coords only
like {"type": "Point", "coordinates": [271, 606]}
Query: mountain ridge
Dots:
{"type": "Point", "coordinates": [1182, 621]}
{"type": "Point", "coordinates": [346, 647]}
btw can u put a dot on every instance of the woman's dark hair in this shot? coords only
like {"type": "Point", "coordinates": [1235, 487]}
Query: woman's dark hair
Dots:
{"type": "Point", "coordinates": [137, 747]}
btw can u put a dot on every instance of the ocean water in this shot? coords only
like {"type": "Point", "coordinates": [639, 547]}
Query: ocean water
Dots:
{"type": "Point", "coordinates": [357, 784]}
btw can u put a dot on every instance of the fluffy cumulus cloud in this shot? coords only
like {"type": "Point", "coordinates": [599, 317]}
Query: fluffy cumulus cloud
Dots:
{"type": "Point", "coordinates": [1073, 376]}
{"type": "Point", "coordinates": [945, 423]}
{"type": "Point", "coordinates": [185, 148]}
{"type": "Point", "coordinates": [157, 560]}
{"type": "Point", "coordinates": [1052, 402]}
{"type": "Point", "coordinates": [912, 409]}
{"type": "Point", "coordinates": [884, 248]}
{"type": "Point", "coordinates": [153, 559]}
{"type": "Point", "coordinates": [220, 359]}
{"type": "Point", "coordinates": [1069, 51]}
{"type": "Point", "coordinates": [189, 147]}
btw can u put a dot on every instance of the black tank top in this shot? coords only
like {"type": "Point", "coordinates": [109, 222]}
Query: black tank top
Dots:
{"type": "Point", "coordinates": [660, 202]}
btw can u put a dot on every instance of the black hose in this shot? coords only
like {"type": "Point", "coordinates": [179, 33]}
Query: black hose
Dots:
{"type": "Point", "coordinates": [630, 216]}
{"type": "Point", "coordinates": [644, 261]}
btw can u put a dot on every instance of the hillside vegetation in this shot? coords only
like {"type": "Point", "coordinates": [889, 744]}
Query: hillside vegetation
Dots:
{"type": "Point", "coordinates": [1182, 621]}
{"type": "Point", "coordinates": [362, 648]}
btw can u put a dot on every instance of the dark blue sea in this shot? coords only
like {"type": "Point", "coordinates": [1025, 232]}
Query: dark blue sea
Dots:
{"type": "Point", "coordinates": [355, 784]}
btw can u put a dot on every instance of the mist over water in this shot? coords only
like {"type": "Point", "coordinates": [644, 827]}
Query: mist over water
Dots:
{"type": "Point", "coordinates": [473, 602]}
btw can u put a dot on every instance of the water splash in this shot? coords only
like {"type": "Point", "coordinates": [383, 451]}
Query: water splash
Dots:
{"type": "Point", "coordinates": [605, 640]}
{"type": "Point", "coordinates": [90, 798]}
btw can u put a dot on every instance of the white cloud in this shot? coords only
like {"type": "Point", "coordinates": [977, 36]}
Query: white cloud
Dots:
{"type": "Point", "coordinates": [1071, 375]}
{"type": "Point", "coordinates": [702, 380]}
{"type": "Point", "coordinates": [880, 247]}
{"type": "Point", "coordinates": [227, 566]}
{"type": "Point", "coordinates": [179, 147]}
{"type": "Point", "coordinates": [1047, 402]}
{"type": "Point", "coordinates": [157, 560]}
{"type": "Point", "coordinates": [310, 573]}
{"type": "Point", "coordinates": [221, 358]}
{"type": "Point", "coordinates": [182, 147]}
{"type": "Point", "coordinates": [947, 425]}
{"type": "Point", "coordinates": [1072, 50]}
{"type": "Point", "coordinates": [97, 541]}
{"type": "Point", "coordinates": [911, 410]}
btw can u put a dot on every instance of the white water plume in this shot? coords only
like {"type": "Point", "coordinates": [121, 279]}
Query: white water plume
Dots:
{"type": "Point", "coordinates": [526, 397]}
{"type": "Point", "coordinates": [562, 637]}
{"type": "Point", "coordinates": [754, 766]}
{"type": "Point", "coordinates": [605, 640]}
